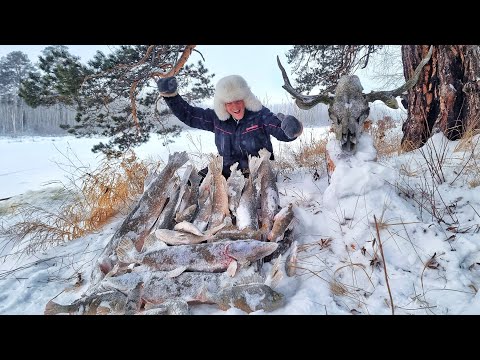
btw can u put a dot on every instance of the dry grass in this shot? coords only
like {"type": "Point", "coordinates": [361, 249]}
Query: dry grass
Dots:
{"type": "Point", "coordinates": [468, 142]}
{"type": "Point", "coordinates": [474, 182]}
{"type": "Point", "coordinates": [111, 187]}
{"type": "Point", "coordinates": [103, 193]}
{"type": "Point", "coordinates": [337, 288]}
{"type": "Point", "coordinates": [308, 154]}
{"type": "Point", "coordinates": [386, 142]}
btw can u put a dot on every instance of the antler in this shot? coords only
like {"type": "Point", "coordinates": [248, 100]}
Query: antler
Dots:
{"type": "Point", "coordinates": [304, 102]}
{"type": "Point", "coordinates": [388, 97]}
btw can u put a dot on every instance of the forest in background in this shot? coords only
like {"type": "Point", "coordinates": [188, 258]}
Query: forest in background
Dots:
{"type": "Point", "coordinates": [16, 117]}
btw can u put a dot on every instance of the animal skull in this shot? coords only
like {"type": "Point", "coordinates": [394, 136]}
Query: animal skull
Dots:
{"type": "Point", "coordinates": [348, 111]}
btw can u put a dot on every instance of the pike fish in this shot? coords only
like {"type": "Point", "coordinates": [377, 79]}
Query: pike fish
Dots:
{"type": "Point", "coordinates": [184, 187]}
{"type": "Point", "coordinates": [188, 227]}
{"type": "Point", "coordinates": [139, 223]}
{"type": "Point", "coordinates": [141, 220]}
{"type": "Point", "coordinates": [232, 233]}
{"type": "Point", "coordinates": [267, 184]}
{"type": "Point", "coordinates": [281, 222]}
{"type": "Point", "coordinates": [104, 302]}
{"type": "Point", "coordinates": [248, 293]}
{"type": "Point", "coordinates": [187, 214]}
{"type": "Point", "coordinates": [172, 237]}
{"type": "Point", "coordinates": [235, 185]}
{"type": "Point", "coordinates": [250, 297]}
{"type": "Point", "coordinates": [166, 218]}
{"type": "Point", "coordinates": [203, 215]}
{"type": "Point", "coordinates": [219, 194]}
{"type": "Point", "coordinates": [134, 299]}
{"type": "Point", "coordinates": [210, 257]}
{"type": "Point", "coordinates": [204, 203]}
{"type": "Point", "coordinates": [247, 216]}
{"type": "Point", "coordinates": [189, 201]}
{"type": "Point", "coordinates": [291, 262]}
{"type": "Point", "coordinates": [169, 307]}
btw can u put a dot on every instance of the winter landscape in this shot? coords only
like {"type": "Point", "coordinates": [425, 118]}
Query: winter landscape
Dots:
{"type": "Point", "coordinates": [387, 232]}
{"type": "Point", "coordinates": [432, 267]}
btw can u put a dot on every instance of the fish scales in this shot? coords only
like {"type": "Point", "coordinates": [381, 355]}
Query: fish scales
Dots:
{"type": "Point", "coordinates": [268, 191]}
{"type": "Point", "coordinates": [220, 208]}
{"type": "Point", "coordinates": [247, 216]}
{"type": "Point", "coordinates": [235, 184]}
{"type": "Point", "coordinates": [209, 257]}
{"type": "Point", "coordinates": [139, 222]}
{"type": "Point", "coordinates": [246, 292]}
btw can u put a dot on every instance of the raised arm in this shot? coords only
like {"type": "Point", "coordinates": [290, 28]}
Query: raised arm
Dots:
{"type": "Point", "coordinates": [193, 116]}
{"type": "Point", "coordinates": [282, 127]}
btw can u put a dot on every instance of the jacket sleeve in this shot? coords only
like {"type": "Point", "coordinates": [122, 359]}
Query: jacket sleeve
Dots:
{"type": "Point", "coordinates": [195, 117]}
{"type": "Point", "coordinates": [272, 125]}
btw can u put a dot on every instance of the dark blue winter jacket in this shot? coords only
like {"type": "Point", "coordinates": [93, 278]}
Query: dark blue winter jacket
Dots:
{"type": "Point", "coordinates": [234, 140]}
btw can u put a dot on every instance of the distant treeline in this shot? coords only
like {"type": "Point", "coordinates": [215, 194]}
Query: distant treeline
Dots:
{"type": "Point", "coordinates": [17, 119]}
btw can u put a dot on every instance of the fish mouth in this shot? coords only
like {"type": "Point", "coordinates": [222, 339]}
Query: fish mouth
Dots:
{"type": "Point", "coordinates": [278, 301]}
{"type": "Point", "coordinates": [240, 250]}
{"type": "Point", "coordinates": [265, 249]}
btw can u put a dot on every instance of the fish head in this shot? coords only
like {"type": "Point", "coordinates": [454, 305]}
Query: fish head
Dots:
{"type": "Point", "coordinates": [248, 251]}
{"type": "Point", "coordinates": [253, 297]}
{"type": "Point", "coordinates": [274, 300]}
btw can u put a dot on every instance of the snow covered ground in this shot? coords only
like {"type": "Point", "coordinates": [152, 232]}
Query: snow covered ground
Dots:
{"type": "Point", "coordinates": [429, 230]}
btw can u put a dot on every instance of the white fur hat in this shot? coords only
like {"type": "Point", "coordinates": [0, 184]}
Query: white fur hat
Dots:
{"type": "Point", "coordinates": [233, 88]}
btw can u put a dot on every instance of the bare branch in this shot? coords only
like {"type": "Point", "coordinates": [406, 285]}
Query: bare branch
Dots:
{"type": "Point", "coordinates": [178, 66]}
{"type": "Point", "coordinates": [304, 102]}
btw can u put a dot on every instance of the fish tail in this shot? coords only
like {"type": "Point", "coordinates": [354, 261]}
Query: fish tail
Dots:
{"type": "Point", "coordinates": [264, 154]}
{"type": "Point", "coordinates": [253, 164]}
{"type": "Point", "coordinates": [276, 274]}
{"type": "Point", "coordinates": [234, 167]}
{"type": "Point", "coordinates": [177, 159]}
{"type": "Point", "coordinates": [126, 251]}
{"type": "Point", "coordinates": [52, 308]}
{"type": "Point", "coordinates": [216, 165]}
{"type": "Point", "coordinates": [291, 263]}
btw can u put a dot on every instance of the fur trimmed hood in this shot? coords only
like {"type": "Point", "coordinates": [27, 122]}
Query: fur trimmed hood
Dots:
{"type": "Point", "coordinates": [233, 88]}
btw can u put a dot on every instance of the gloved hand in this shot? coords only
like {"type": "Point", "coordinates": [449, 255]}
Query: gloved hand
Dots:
{"type": "Point", "coordinates": [290, 125]}
{"type": "Point", "coordinates": [167, 86]}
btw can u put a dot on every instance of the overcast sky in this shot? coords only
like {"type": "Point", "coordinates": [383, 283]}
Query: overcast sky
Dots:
{"type": "Point", "coordinates": [256, 63]}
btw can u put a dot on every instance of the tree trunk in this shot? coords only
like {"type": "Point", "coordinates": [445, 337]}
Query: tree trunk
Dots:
{"type": "Point", "coordinates": [446, 95]}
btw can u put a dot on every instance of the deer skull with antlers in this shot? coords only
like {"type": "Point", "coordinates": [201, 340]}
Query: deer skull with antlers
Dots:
{"type": "Point", "coordinates": [349, 106]}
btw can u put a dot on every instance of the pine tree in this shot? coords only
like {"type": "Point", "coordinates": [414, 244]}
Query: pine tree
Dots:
{"type": "Point", "coordinates": [323, 65]}
{"type": "Point", "coordinates": [14, 68]}
{"type": "Point", "coordinates": [114, 95]}
{"type": "Point", "coordinates": [446, 96]}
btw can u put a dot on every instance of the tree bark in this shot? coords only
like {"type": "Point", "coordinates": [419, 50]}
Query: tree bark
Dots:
{"type": "Point", "coordinates": [423, 106]}
{"type": "Point", "coordinates": [446, 95]}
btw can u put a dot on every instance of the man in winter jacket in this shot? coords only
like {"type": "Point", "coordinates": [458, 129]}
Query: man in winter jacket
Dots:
{"type": "Point", "coordinates": [242, 126]}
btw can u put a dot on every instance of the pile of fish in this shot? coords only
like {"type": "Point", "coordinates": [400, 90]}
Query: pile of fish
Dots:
{"type": "Point", "coordinates": [189, 241]}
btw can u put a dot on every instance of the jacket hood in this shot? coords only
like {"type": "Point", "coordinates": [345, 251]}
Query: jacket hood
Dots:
{"type": "Point", "coordinates": [233, 88]}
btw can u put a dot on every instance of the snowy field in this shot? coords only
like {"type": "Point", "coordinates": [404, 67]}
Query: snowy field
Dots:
{"type": "Point", "coordinates": [429, 231]}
